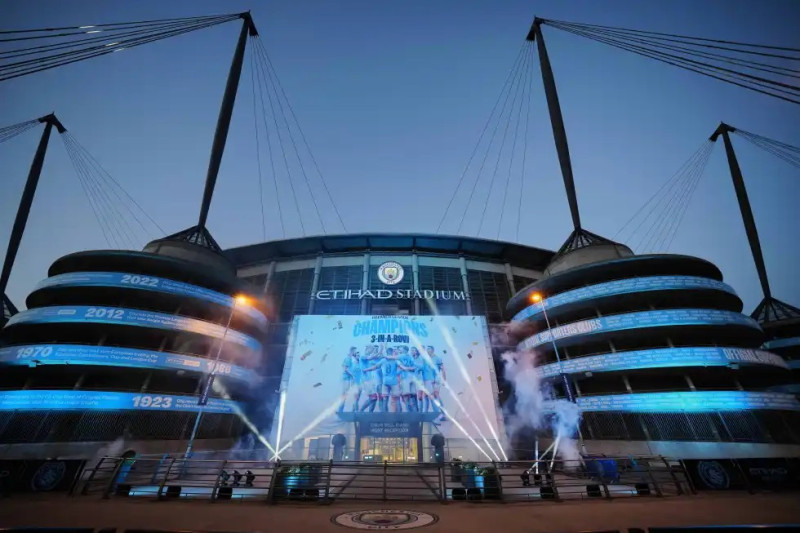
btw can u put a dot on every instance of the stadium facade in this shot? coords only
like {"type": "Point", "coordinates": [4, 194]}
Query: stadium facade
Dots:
{"type": "Point", "coordinates": [655, 351]}
{"type": "Point", "coordinates": [384, 347]}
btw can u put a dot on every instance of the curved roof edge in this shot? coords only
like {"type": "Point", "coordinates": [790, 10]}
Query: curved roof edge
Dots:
{"type": "Point", "coordinates": [515, 254]}
{"type": "Point", "coordinates": [591, 273]}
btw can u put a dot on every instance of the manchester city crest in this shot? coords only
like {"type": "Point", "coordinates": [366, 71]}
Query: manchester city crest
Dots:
{"type": "Point", "coordinates": [390, 273]}
{"type": "Point", "coordinates": [384, 519]}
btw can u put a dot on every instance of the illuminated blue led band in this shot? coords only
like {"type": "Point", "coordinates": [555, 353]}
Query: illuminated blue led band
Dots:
{"type": "Point", "coordinates": [130, 317]}
{"type": "Point", "coordinates": [782, 343]}
{"type": "Point", "coordinates": [643, 319]}
{"type": "Point", "coordinates": [73, 354]}
{"type": "Point", "coordinates": [688, 402]}
{"type": "Point", "coordinates": [794, 364]}
{"type": "Point", "coordinates": [148, 283]}
{"type": "Point", "coordinates": [663, 358]}
{"type": "Point", "coordinates": [624, 286]}
{"type": "Point", "coordinates": [76, 400]}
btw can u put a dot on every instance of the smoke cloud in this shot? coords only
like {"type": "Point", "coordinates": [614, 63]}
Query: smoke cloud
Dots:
{"type": "Point", "coordinates": [533, 405]}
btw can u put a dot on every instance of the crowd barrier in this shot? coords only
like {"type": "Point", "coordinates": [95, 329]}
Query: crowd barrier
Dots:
{"type": "Point", "coordinates": [167, 478]}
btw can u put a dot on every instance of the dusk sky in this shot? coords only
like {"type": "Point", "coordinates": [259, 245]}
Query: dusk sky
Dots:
{"type": "Point", "coordinates": [392, 97]}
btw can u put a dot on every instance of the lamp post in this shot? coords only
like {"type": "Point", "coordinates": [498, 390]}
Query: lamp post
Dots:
{"type": "Point", "coordinates": [537, 298]}
{"type": "Point", "coordinates": [238, 299]}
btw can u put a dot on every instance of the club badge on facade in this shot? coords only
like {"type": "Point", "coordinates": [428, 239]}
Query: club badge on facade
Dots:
{"type": "Point", "coordinates": [390, 273]}
{"type": "Point", "coordinates": [384, 519]}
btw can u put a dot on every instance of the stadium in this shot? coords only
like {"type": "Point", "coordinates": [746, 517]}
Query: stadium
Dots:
{"type": "Point", "coordinates": [352, 352]}
{"type": "Point", "coordinates": [185, 346]}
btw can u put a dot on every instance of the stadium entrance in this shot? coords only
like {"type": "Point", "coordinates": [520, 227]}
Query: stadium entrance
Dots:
{"type": "Point", "coordinates": [391, 449]}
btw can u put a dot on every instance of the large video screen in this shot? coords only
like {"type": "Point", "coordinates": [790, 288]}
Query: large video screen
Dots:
{"type": "Point", "coordinates": [372, 379]}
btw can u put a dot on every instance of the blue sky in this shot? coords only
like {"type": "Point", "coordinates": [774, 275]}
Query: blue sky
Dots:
{"type": "Point", "coordinates": [392, 98]}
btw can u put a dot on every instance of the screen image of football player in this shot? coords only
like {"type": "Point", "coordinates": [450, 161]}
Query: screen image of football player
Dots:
{"type": "Point", "coordinates": [351, 375]}
{"type": "Point", "coordinates": [390, 369]}
{"type": "Point", "coordinates": [370, 379]}
{"type": "Point", "coordinates": [408, 387]}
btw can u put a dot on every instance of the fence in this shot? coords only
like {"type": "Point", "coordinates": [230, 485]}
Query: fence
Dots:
{"type": "Point", "coordinates": [325, 482]}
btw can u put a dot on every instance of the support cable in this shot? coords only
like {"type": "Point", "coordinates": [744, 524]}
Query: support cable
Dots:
{"type": "Point", "coordinates": [764, 67]}
{"type": "Point", "coordinates": [784, 151]}
{"type": "Point", "coordinates": [258, 148]}
{"type": "Point", "coordinates": [256, 71]}
{"type": "Point", "coordinates": [511, 72]}
{"type": "Point", "coordinates": [676, 216]}
{"type": "Point", "coordinates": [110, 25]}
{"type": "Point", "coordinates": [263, 79]}
{"type": "Point", "coordinates": [517, 71]}
{"type": "Point", "coordinates": [271, 74]}
{"type": "Point", "coordinates": [501, 147]}
{"type": "Point", "coordinates": [119, 192]}
{"type": "Point", "coordinates": [31, 66]}
{"type": "Point", "coordinates": [685, 37]}
{"type": "Point", "coordinates": [89, 193]}
{"type": "Point", "coordinates": [524, 151]}
{"type": "Point", "coordinates": [102, 38]}
{"type": "Point", "coordinates": [758, 84]}
{"type": "Point", "coordinates": [655, 205]}
{"type": "Point", "coordinates": [302, 134]}
{"type": "Point", "coordinates": [526, 76]}
{"type": "Point", "coordinates": [111, 204]}
{"type": "Point", "coordinates": [46, 59]}
{"type": "Point", "coordinates": [114, 217]}
{"type": "Point", "coordinates": [688, 64]}
{"type": "Point", "coordinates": [9, 132]}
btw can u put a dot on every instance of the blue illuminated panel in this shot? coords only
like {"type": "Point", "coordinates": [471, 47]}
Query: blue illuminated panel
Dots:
{"type": "Point", "coordinates": [782, 343]}
{"type": "Point", "coordinates": [689, 402]}
{"type": "Point", "coordinates": [624, 286]}
{"type": "Point", "coordinates": [130, 317]}
{"type": "Point", "coordinates": [71, 354]}
{"type": "Point", "coordinates": [643, 319]}
{"type": "Point", "coordinates": [663, 358]}
{"type": "Point", "coordinates": [147, 283]}
{"type": "Point", "coordinates": [76, 400]}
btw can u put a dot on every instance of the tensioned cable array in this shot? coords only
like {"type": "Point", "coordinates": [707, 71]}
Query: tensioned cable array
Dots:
{"type": "Point", "coordinates": [764, 69]}
{"type": "Point", "coordinates": [12, 131]}
{"type": "Point", "coordinates": [787, 152]}
{"type": "Point", "coordinates": [121, 219]}
{"type": "Point", "coordinates": [654, 226]}
{"type": "Point", "coordinates": [24, 52]}
{"type": "Point", "coordinates": [287, 148]}
{"type": "Point", "coordinates": [505, 158]}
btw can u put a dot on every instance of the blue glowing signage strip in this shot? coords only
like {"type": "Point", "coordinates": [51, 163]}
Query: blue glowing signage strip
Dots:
{"type": "Point", "coordinates": [782, 343]}
{"type": "Point", "coordinates": [130, 317]}
{"type": "Point", "coordinates": [148, 283]}
{"type": "Point", "coordinates": [76, 400]}
{"type": "Point", "coordinates": [74, 354]}
{"type": "Point", "coordinates": [689, 402]}
{"type": "Point", "coordinates": [624, 286]}
{"type": "Point", "coordinates": [643, 319]}
{"type": "Point", "coordinates": [663, 358]}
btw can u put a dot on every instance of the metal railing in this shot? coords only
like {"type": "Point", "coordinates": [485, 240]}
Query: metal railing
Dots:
{"type": "Point", "coordinates": [325, 482]}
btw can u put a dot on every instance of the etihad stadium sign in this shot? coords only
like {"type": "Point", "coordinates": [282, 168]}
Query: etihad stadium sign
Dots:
{"type": "Point", "coordinates": [386, 294]}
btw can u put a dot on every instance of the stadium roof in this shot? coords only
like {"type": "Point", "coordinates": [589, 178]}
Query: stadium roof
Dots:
{"type": "Point", "coordinates": [515, 254]}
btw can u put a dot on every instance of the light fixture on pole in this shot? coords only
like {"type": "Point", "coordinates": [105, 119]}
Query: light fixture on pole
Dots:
{"type": "Point", "coordinates": [536, 297]}
{"type": "Point", "coordinates": [239, 299]}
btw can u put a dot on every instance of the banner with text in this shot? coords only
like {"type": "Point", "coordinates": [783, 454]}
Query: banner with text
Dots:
{"type": "Point", "coordinates": [387, 375]}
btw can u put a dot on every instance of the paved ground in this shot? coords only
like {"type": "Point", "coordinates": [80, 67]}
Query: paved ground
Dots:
{"type": "Point", "coordinates": [705, 509]}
